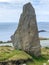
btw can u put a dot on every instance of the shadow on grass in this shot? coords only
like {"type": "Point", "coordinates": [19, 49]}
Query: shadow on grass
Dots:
{"type": "Point", "coordinates": [40, 58]}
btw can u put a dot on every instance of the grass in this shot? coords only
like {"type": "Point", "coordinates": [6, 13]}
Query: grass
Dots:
{"type": "Point", "coordinates": [9, 53]}
{"type": "Point", "coordinates": [42, 59]}
{"type": "Point", "coordinates": [39, 61]}
{"type": "Point", "coordinates": [20, 55]}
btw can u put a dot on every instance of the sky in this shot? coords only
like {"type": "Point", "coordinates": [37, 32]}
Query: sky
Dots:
{"type": "Point", "coordinates": [10, 10]}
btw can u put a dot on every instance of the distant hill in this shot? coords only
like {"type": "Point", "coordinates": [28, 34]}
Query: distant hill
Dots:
{"type": "Point", "coordinates": [1, 41]}
{"type": "Point", "coordinates": [9, 41]}
{"type": "Point", "coordinates": [42, 31]}
{"type": "Point", "coordinates": [42, 38]}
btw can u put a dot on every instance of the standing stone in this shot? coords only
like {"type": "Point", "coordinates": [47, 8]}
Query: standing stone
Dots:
{"type": "Point", "coordinates": [26, 36]}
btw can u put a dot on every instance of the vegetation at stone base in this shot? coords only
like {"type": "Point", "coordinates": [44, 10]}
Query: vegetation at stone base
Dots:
{"type": "Point", "coordinates": [42, 59]}
{"type": "Point", "coordinates": [9, 53]}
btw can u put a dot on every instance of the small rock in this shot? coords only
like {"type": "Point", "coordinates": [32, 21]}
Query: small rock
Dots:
{"type": "Point", "coordinates": [48, 60]}
{"type": "Point", "coordinates": [44, 63]}
{"type": "Point", "coordinates": [24, 64]}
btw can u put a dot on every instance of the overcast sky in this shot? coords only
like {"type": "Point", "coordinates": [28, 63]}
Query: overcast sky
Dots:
{"type": "Point", "coordinates": [10, 10]}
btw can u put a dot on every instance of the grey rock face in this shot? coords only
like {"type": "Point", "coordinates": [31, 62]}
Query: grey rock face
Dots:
{"type": "Point", "coordinates": [26, 35]}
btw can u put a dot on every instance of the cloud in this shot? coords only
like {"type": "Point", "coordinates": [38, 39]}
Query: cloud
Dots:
{"type": "Point", "coordinates": [44, 1]}
{"type": "Point", "coordinates": [7, 5]}
{"type": "Point", "coordinates": [20, 1]}
{"type": "Point", "coordinates": [8, 15]}
{"type": "Point", "coordinates": [4, 0]}
{"type": "Point", "coordinates": [41, 8]}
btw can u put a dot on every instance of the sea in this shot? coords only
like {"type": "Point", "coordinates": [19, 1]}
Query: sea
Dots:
{"type": "Point", "coordinates": [43, 26]}
{"type": "Point", "coordinates": [8, 29]}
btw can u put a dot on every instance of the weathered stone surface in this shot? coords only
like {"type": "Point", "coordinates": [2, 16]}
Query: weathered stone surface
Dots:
{"type": "Point", "coordinates": [26, 35]}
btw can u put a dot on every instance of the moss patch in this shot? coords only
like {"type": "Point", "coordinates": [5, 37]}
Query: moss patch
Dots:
{"type": "Point", "coordinates": [6, 53]}
{"type": "Point", "coordinates": [9, 53]}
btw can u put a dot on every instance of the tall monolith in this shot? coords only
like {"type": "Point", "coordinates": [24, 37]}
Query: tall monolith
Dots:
{"type": "Point", "coordinates": [26, 36]}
